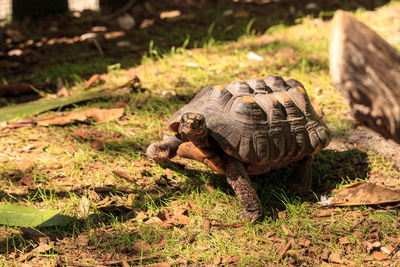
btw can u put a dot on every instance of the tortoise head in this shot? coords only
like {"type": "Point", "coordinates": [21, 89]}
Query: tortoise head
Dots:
{"type": "Point", "coordinates": [193, 125]}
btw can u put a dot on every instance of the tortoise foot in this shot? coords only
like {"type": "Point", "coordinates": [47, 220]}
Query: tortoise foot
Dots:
{"type": "Point", "coordinates": [251, 215]}
{"type": "Point", "coordinates": [163, 150]}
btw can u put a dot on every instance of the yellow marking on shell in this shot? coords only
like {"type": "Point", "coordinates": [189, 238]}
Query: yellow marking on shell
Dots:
{"type": "Point", "coordinates": [301, 89]}
{"type": "Point", "coordinates": [218, 88]}
{"type": "Point", "coordinates": [284, 96]}
{"type": "Point", "coordinates": [273, 98]}
{"type": "Point", "coordinates": [248, 99]}
{"type": "Point", "coordinates": [190, 120]}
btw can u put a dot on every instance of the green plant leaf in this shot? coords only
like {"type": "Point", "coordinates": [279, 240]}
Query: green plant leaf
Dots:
{"type": "Point", "coordinates": [13, 215]}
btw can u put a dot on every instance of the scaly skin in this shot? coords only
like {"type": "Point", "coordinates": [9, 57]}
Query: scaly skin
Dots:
{"type": "Point", "coordinates": [239, 180]}
{"type": "Point", "coordinates": [164, 150]}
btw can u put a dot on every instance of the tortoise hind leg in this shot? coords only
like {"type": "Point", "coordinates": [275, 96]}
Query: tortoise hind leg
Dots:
{"type": "Point", "coordinates": [163, 150]}
{"type": "Point", "coordinates": [239, 180]}
{"type": "Point", "coordinates": [300, 180]}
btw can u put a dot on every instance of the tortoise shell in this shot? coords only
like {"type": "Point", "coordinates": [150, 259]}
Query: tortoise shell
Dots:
{"type": "Point", "coordinates": [265, 123]}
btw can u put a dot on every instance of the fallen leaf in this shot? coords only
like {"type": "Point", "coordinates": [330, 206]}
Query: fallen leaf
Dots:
{"type": "Point", "coordinates": [253, 56]}
{"type": "Point", "coordinates": [286, 230]}
{"type": "Point", "coordinates": [154, 220]}
{"type": "Point", "coordinates": [379, 255]}
{"type": "Point", "coordinates": [367, 246]}
{"type": "Point", "coordinates": [282, 215]}
{"type": "Point", "coordinates": [304, 242]}
{"type": "Point", "coordinates": [365, 194]}
{"type": "Point", "coordinates": [206, 225]}
{"type": "Point", "coordinates": [42, 248]}
{"type": "Point", "coordinates": [85, 115]}
{"type": "Point", "coordinates": [123, 175]}
{"type": "Point", "coordinates": [141, 246]}
{"type": "Point", "coordinates": [336, 258]}
{"type": "Point", "coordinates": [162, 243]}
{"type": "Point", "coordinates": [191, 238]}
{"type": "Point", "coordinates": [325, 254]}
{"type": "Point", "coordinates": [146, 23]}
{"type": "Point", "coordinates": [92, 81]}
{"type": "Point", "coordinates": [324, 213]}
{"type": "Point", "coordinates": [83, 207]}
{"type": "Point", "coordinates": [169, 173]}
{"type": "Point", "coordinates": [387, 250]}
{"type": "Point", "coordinates": [97, 145]}
{"type": "Point", "coordinates": [344, 240]}
{"type": "Point", "coordinates": [230, 260]}
{"type": "Point", "coordinates": [376, 244]}
{"type": "Point", "coordinates": [170, 14]}
{"type": "Point", "coordinates": [282, 253]}
{"type": "Point", "coordinates": [26, 179]}
{"type": "Point", "coordinates": [191, 205]}
{"type": "Point", "coordinates": [115, 34]}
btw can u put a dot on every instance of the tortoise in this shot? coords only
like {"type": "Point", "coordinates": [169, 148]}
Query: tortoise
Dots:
{"type": "Point", "coordinates": [246, 128]}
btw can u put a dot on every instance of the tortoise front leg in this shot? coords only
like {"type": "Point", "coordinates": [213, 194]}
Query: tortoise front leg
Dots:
{"type": "Point", "coordinates": [164, 150]}
{"type": "Point", "coordinates": [300, 180]}
{"type": "Point", "coordinates": [239, 179]}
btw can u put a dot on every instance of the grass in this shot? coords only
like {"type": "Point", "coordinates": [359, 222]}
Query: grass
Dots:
{"type": "Point", "coordinates": [66, 167]}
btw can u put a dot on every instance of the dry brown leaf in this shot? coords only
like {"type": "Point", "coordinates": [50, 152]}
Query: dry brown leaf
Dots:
{"type": "Point", "coordinates": [336, 258]}
{"type": "Point", "coordinates": [92, 81]}
{"type": "Point", "coordinates": [83, 208]}
{"type": "Point", "coordinates": [325, 254]}
{"type": "Point", "coordinates": [191, 205]}
{"type": "Point", "coordinates": [123, 175]}
{"type": "Point", "coordinates": [282, 253]}
{"type": "Point", "coordinates": [282, 215]}
{"type": "Point", "coordinates": [206, 225]}
{"type": "Point", "coordinates": [85, 115]}
{"type": "Point", "coordinates": [379, 255]}
{"type": "Point", "coordinates": [324, 213]}
{"type": "Point", "coordinates": [304, 242]}
{"type": "Point", "coordinates": [286, 230]}
{"type": "Point", "coordinates": [344, 240]}
{"type": "Point", "coordinates": [365, 194]}
{"type": "Point", "coordinates": [230, 260]}
{"type": "Point", "coordinates": [26, 179]}
{"type": "Point", "coordinates": [169, 173]}
{"type": "Point", "coordinates": [141, 246]}
{"type": "Point", "coordinates": [367, 246]}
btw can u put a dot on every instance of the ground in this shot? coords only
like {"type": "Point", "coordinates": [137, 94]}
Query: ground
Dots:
{"type": "Point", "coordinates": [128, 210]}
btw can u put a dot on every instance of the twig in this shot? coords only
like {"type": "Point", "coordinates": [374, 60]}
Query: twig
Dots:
{"type": "Point", "coordinates": [357, 224]}
{"type": "Point", "coordinates": [123, 175]}
{"type": "Point", "coordinates": [285, 249]}
{"type": "Point", "coordinates": [234, 225]}
{"type": "Point", "coordinates": [394, 249]}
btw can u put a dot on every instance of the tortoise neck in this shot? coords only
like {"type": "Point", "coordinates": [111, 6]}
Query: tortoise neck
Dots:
{"type": "Point", "coordinates": [198, 140]}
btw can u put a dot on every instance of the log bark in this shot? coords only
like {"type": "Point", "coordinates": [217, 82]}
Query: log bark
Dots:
{"type": "Point", "coordinates": [366, 69]}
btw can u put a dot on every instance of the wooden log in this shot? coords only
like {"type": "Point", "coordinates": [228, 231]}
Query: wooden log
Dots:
{"type": "Point", "coordinates": [366, 69]}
